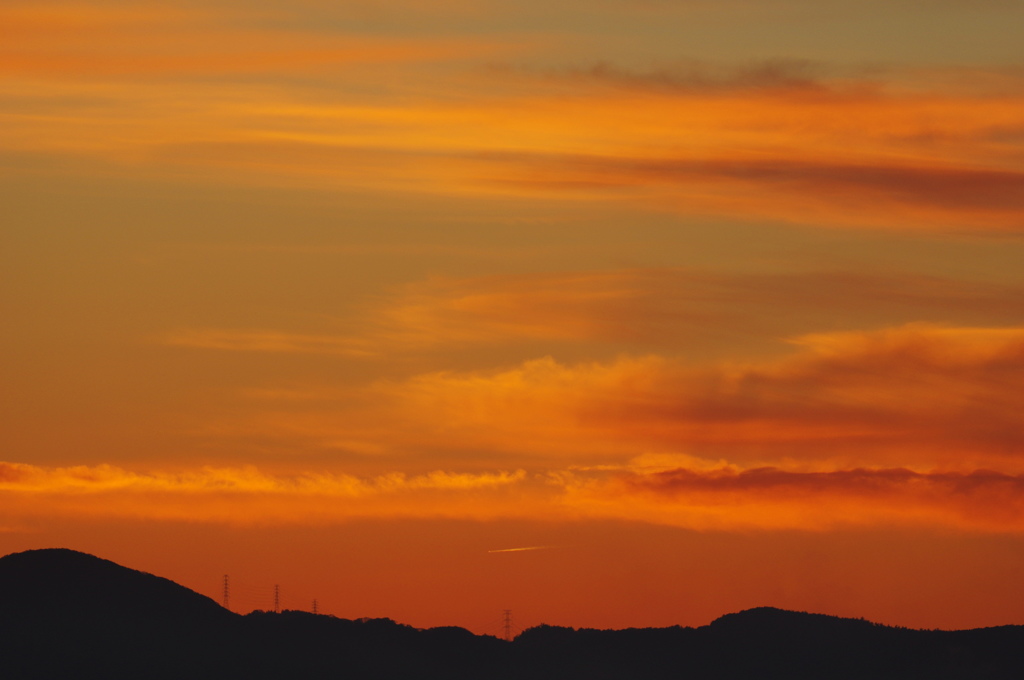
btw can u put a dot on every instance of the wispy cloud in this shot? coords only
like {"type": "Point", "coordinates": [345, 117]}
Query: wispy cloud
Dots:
{"type": "Point", "coordinates": [653, 308]}
{"type": "Point", "coordinates": [691, 76]}
{"type": "Point", "coordinates": [91, 40]}
{"type": "Point", "coordinates": [266, 341]}
{"type": "Point", "coordinates": [894, 194]}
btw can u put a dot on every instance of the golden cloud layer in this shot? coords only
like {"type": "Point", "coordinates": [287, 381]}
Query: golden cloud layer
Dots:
{"type": "Point", "coordinates": [724, 498]}
{"type": "Point", "coordinates": [914, 425]}
{"type": "Point", "coordinates": [185, 89]}
{"type": "Point", "coordinates": [917, 396]}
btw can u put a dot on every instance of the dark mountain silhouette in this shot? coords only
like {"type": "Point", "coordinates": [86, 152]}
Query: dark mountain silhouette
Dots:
{"type": "Point", "coordinates": [65, 614]}
{"type": "Point", "coordinates": [85, 586]}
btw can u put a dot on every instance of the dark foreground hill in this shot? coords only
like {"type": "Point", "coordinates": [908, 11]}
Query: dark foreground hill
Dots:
{"type": "Point", "coordinates": [65, 614]}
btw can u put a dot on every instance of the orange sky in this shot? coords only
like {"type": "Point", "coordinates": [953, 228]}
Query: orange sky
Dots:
{"type": "Point", "coordinates": [710, 305]}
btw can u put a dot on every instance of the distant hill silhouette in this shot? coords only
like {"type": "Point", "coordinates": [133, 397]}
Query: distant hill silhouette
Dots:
{"type": "Point", "coordinates": [85, 586]}
{"type": "Point", "coordinates": [68, 615]}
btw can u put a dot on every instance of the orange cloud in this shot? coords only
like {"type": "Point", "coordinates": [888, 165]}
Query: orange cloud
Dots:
{"type": "Point", "coordinates": [767, 143]}
{"type": "Point", "coordinates": [770, 498]}
{"type": "Point", "coordinates": [917, 397]}
{"type": "Point", "coordinates": [857, 192]}
{"type": "Point", "coordinates": [246, 495]}
{"type": "Point", "coordinates": [871, 160]}
{"type": "Point", "coordinates": [724, 498]}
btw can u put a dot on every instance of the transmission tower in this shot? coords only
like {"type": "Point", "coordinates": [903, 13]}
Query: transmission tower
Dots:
{"type": "Point", "coordinates": [277, 598]}
{"type": "Point", "coordinates": [508, 625]}
{"type": "Point", "coordinates": [314, 607]}
{"type": "Point", "coordinates": [227, 593]}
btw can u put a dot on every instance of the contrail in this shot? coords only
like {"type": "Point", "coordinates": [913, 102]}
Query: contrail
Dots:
{"type": "Point", "coordinates": [532, 547]}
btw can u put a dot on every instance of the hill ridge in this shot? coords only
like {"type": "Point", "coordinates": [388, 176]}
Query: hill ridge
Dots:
{"type": "Point", "coordinates": [112, 622]}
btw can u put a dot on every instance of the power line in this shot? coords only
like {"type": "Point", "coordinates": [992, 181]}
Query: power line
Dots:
{"type": "Point", "coordinates": [238, 595]}
{"type": "Point", "coordinates": [508, 625]}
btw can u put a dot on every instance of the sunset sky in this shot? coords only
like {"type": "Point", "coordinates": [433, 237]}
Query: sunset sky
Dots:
{"type": "Point", "coordinates": [611, 313]}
